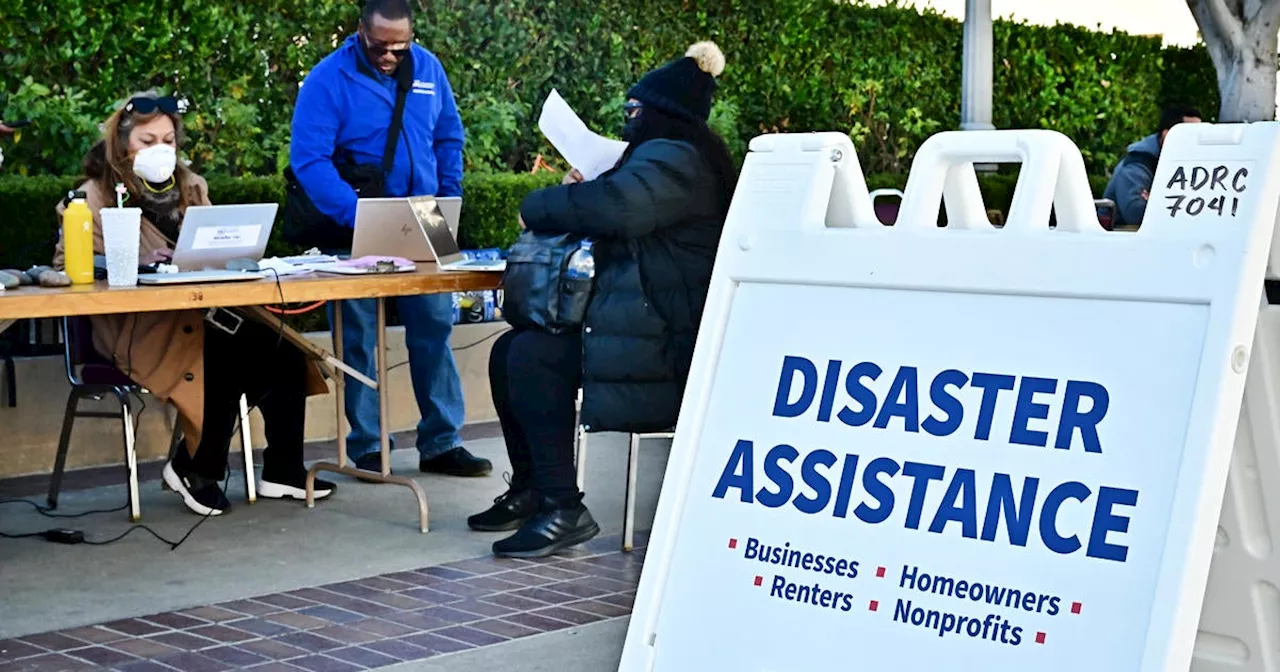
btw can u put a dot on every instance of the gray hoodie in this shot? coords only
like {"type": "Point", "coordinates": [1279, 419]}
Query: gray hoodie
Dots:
{"type": "Point", "coordinates": [1129, 179]}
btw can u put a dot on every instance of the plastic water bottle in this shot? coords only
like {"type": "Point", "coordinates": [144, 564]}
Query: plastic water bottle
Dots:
{"type": "Point", "coordinates": [582, 264]}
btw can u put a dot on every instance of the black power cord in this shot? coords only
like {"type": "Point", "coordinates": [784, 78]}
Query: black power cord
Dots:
{"type": "Point", "coordinates": [460, 348]}
{"type": "Point", "coordinates": [65, 536]}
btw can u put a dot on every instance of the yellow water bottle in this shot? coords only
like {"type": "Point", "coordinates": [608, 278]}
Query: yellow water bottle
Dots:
{"type": "Point", "coordinates": [77, 240]}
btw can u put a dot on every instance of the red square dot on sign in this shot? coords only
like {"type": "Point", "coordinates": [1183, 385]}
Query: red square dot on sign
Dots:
{"type": "Point", "coordinates": [875, 606]}
{"type": "Point", "coordinates": [1039, 638]}
{"type": "Point", "coordinates": [880, 572]}
{"type": "Point", "coordinates": [733, 543]}
{"type": "Point", "coordinates": [759, 580]}
{"type": "Point", "coordinates": [1075, 607]}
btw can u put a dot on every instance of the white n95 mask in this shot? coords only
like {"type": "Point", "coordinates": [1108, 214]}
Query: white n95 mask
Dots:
{"type": "Point", "coordinates": [156, 163]}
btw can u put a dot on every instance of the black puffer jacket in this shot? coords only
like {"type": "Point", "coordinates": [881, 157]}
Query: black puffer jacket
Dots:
{"type": "Point", "coordinates": [656, 222]}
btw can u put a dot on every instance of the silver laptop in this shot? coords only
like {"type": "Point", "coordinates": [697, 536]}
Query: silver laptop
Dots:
{"type": "Point", "coordinates": [213, 235]}
{"type": "Point", "coordinates": [420, 228]}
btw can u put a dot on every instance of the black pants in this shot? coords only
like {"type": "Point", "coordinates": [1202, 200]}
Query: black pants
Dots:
{"type": "Point", "coordinates": [271, 373]}
{"type": "Point", "coordinates": [534, 378]}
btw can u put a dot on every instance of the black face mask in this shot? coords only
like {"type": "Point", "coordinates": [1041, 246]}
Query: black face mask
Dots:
{"type": "Point", "coordinates": [631, 130]}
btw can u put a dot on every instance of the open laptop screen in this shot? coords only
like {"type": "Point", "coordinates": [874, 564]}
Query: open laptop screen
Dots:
{"type": "Point", "coordinates": [212, 235]}
{"type": "Point", "coordinates": [429, 214]}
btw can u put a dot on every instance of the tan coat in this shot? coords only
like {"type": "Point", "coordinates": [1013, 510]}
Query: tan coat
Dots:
{"type": "Point", "coordinates": [161, 351]}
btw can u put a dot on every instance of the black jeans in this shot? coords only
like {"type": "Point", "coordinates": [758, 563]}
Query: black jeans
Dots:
{"type": "Point", "coordinates": [271, 373]}
{"type": "Point", "coordinates": [534, 378]}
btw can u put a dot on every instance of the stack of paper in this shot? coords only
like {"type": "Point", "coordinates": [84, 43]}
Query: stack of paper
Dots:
{"type": "Point", "coordinates": [591, 153]}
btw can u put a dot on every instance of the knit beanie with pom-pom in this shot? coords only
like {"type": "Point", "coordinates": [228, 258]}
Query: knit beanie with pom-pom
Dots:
{"type": "Point", "coordinates": [683, 87]}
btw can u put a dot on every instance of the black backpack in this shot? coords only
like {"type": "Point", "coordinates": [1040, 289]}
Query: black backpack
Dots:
{"type": "Point", "coordinates": [538, 293]}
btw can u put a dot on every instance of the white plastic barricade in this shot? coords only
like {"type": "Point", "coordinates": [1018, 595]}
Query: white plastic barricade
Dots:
{"type": "Point", "coordinates": [964, 448]}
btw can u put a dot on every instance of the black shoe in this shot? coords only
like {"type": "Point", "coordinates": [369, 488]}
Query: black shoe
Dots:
{"type": "Point", "coordinates": [509, 511]}
{"type": "Point", "coordinates": [273, 486]}
{"type": "Point", "coordinates": [202, 495]}
{"type": "Point", "coordinates": [554, 528]}
{"type": "Point", "coordinates": [370, 462]}
{"type": "Point", "coordinates": [457, 461]}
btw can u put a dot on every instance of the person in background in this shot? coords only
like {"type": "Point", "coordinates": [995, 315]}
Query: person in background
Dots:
{"type": "Point", "coordinates": [344, 109]}
{"type": "Point", "coordinates": [201, 371]}
{"type": "Point", "coordinates": [655, 221]}
{"type": "Point", "coordinates": [1130, 184]}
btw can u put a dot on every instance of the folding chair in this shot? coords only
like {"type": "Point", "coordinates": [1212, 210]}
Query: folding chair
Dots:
{"type": "Point", "coordinates": [93, 377]}
{"type": "Point", "coordinates": [633, 469]}
{"type": "Point", "coordinates": [1106, 209]}
{"type": "Point", "coordinates": [887, 211]}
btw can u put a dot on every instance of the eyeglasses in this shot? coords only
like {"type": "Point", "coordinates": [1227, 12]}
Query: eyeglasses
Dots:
{"type": "Point", "coordinates": [166, 104]}
{"type": "Point", "coordinates": [631, 110]}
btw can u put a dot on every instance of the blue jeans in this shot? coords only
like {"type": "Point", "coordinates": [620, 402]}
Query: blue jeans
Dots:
{"type": "Point", "coordinates": [428, 322]}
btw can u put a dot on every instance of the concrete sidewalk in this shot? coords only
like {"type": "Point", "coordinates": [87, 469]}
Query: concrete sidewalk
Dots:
{"type": "Point", "coordinates": [273, 547]}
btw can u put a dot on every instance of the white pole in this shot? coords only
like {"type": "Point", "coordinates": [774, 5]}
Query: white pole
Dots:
{"type": "Point", "coordinates": [975, 96]}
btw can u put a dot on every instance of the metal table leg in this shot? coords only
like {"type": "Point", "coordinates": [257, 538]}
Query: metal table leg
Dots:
{"type": "Point", "coordinates": [383, 424]}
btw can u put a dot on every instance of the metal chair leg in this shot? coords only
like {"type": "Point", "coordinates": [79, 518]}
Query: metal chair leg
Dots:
{"type": "Point", "coordinates": [64, 444]}
{"type": "Point", "coordinates": [175, 441]}
{"type": "Point", "coordinates": [246, 442]}
{"type": "Point", "coordinates": [130, 455]}
{"type": "Point", "coordinates": [580, 452]}
{"type": "Point", "coordinates": [579, 443]}
{"type": "Point", "coordinates": [10, 381]}
{"type": "Point", "coordinates": [629, 520]}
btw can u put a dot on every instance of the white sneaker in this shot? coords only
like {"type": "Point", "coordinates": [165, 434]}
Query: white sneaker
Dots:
{"type": "Point", "coordinates": [201, 495]}
{"type": "Point", "coordinates": [293, 489]}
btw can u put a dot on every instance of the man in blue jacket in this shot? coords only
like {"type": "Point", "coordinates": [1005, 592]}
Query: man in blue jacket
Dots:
{"type": "Point", "coordinates": [344, 110]}
{"type": "Point", "coordinates": [1130, 184]}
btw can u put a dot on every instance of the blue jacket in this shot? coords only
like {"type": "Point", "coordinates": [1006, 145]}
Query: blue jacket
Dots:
{"type": "Point", "coordinates": [1129, 179]}
{"type": "Point", "coordinates": [342, 110]}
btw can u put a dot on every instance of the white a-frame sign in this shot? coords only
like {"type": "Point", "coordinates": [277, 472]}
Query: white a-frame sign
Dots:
{"type": "Point", "coordinates": [959, 448]}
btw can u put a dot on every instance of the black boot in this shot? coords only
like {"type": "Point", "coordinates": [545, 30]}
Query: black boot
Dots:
{"type": "Point", "coordinates": [557, 525]}
{"type": "Point", "coordinates": [509, 511]}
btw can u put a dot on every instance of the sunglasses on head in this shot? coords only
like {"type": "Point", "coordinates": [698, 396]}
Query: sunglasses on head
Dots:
{"type": "Point", "coordinates": [166, 104]}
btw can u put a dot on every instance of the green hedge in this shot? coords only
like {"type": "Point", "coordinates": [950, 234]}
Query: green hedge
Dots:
{"type": "Point", "coordinates": [29, 228]}
{"type": "Point", "coordinates": [889, 76]}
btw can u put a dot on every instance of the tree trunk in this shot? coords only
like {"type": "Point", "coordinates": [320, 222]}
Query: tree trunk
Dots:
{"type": "Point", "coordinates": [1241, 38]}
{"type": "Point", "coordinates": [1248, 84]}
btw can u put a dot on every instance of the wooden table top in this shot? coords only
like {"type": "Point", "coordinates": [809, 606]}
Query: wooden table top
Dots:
{"type": "Point", "coordinates": [98, 299]}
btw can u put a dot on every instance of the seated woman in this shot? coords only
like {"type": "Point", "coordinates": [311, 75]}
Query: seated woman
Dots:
{"type": "Point", "coordinates": [203, 372]}
{"type": "Point", "coordinates": [655, 220]}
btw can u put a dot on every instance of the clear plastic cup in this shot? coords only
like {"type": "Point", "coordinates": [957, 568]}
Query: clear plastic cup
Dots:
{"type": "Point", "coordinates": [121, 238]}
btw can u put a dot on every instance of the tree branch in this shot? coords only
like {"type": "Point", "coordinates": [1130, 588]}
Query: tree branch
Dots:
{"type": "Point", "coordinates": [1265, 15]}
{"type": "Point", "coordinates": [1214, 38]}
{"type": "Point", "coordinates": [1214, 16]}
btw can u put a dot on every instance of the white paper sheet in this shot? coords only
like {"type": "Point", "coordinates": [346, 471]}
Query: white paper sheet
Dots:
{"type": "Point", "coordinates": [275, 266]}
{"type": "Point", "coordinates": [589, 152]}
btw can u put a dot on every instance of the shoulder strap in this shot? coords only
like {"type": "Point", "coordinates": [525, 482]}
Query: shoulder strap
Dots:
{"type": "Point", "coordinates": [404, 82]}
